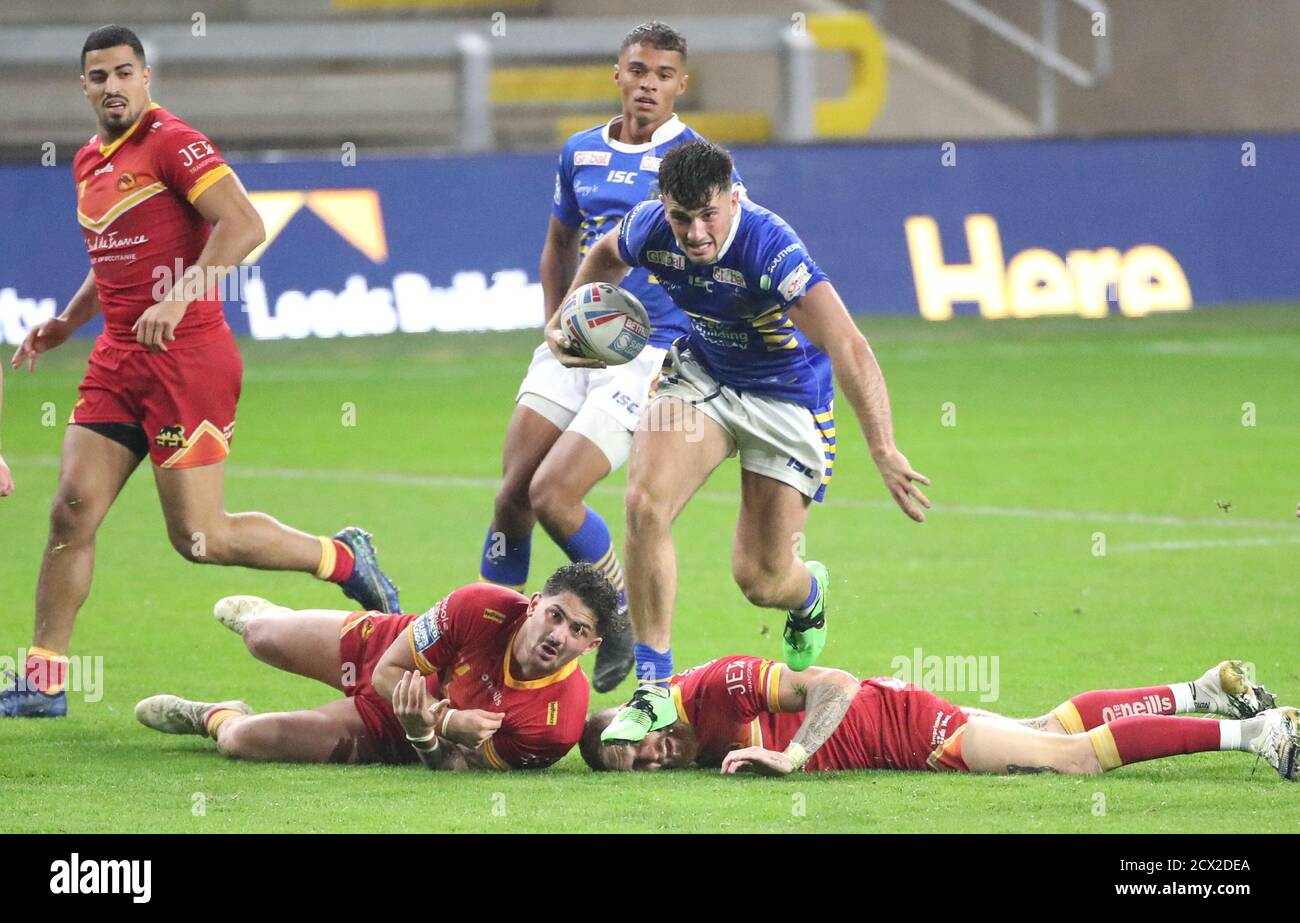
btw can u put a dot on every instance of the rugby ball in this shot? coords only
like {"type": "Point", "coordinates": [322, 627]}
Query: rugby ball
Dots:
{"type": "Point", "coordinates": [605, 322]}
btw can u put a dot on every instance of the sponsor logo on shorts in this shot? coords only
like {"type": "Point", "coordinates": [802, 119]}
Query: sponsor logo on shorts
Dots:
{"type": "Point", "coordinates": [552, 713]}
{"type": "Point", "coordinates": [800, 467]}
{"type": "Point", "coordinates": [939, 733]}
{"type": "Point", "coordinates": [591, 158]}
{"type": "Point", "coordinates": [666, 258]}
{"type": "Point", "coordinates": [170, 437]}
{"type": "Point", "coordinates": [792, 286]}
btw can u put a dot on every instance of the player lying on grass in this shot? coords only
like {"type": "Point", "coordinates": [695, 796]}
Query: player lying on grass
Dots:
{"type": "Point", "coordinates": [746, 714]}
{"type": "Point", "coordinates": [487, 678]}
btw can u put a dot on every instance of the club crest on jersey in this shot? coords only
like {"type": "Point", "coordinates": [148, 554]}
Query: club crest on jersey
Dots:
{"type": "Point", "coordinates": [126, 181]}
{"type": "Point", "coordinates": [650, 163]}
{"type": "Point", "coordinates": [591, 158]}
{"type": "Point", "coordinates": [666, 258]}
{"type": "Point", "coordinates": [728, 276]}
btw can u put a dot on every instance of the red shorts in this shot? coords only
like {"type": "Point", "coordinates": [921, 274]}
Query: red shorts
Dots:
{"type": "Point", "coordinates": [895, 725]}
{"type": "Point", "coordinates": [184, 399]}
{"type": "Point", "coordinates": [362, 642]}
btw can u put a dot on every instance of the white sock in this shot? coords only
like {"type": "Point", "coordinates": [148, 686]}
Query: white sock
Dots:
{"type": "Point", "coordinates": [1230, 735]}
{"type": "Point", "coordinates": [1184, 697]}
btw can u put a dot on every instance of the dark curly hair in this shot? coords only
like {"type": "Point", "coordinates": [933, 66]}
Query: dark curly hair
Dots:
{"type": "Point", "coordinates": [657, 35]}
{"type": "Point", "coordinates": [591, 586]}
{"type": "Point", "coordinates": [693, 173]}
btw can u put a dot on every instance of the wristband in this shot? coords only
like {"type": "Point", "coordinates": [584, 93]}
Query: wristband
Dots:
{"type": "Point", "coordinates": [797, 755]}
{"type": "Point", "coordinates": [446, 719]}
{"type": "Point", "coordinates": [423, 740]}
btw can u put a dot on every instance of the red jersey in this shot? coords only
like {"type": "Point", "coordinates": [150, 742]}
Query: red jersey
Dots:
{"type": "Point", "coordinates": [135, 205]}
{"type": "Point", "coordinates": [732, 703]}
{"type": "Point", "coordinates": [466, 640]}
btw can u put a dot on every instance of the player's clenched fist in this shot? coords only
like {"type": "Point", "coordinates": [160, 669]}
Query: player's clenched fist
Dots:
{"type": "Point", "coordinates": [757, 760]}
{"type": "Point", "coordinates": [411, 706]}
{"type": "Point", "coordinates": [472, 727]}
{"type": "Point", "coordinates": [42, 337]}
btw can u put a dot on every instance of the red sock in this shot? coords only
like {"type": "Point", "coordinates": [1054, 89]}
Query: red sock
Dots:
{"type": "Point", "coordinates": [336, 560]}
{"type": "Point", "coordinates": [45, 670]}
{"type": "Point", "coordinates": [1150, 737]}
{"type": "Point", "coordinates": [1093, 709]}
{"type": "Point", "coordinates": [344, 563]}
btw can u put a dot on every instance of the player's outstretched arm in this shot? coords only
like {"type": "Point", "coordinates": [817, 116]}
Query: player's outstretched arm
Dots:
{"type": "Point", "coordinates": [602, 264]}
{"type": "Point", "coordinates": [51, 333]}
{"type": "Point", "coordinates": [558, 264]}
{"type": "Point", "coordinates": [236, 229]}
{"type": "Point", "coordinates": [822, 317]}
{"type": "Point", "coordinates": [824, 695]}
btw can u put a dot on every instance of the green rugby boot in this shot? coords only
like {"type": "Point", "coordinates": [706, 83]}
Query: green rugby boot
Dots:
{"type": "Point", "coordinates": [805, 635]}
{"type": "Point", "coordinates": [650, 709]}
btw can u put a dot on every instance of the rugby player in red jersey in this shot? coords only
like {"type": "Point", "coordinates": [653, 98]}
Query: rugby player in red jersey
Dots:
{"type": "Point", "coordinates": [486, 679]}
{"type": "Point", "coordinates": [746, 714]}
{"type": "Point", "coordinates": [165, 220]}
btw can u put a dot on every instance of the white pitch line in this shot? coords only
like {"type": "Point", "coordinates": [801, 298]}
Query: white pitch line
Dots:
{"type": "Point", "coordinates": [1208, 543]}
{"type": "Point", "coordinates": [436, 481]}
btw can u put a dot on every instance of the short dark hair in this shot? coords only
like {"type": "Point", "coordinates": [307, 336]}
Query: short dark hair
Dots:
{"type": "Point", "coordinates": [657, 35]}
{"type": "Point", "coordinates": [692, 173]}
{"type": "Point", "coordinates": [589, 743]}
{"type": "Point", "coordinates": [594, 589]}
{"type": "Point", "coordinates": [111, 37]}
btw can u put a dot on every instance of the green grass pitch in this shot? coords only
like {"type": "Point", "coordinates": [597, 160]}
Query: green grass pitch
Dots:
{"type": "Point", "coordinates": [1135, 429]}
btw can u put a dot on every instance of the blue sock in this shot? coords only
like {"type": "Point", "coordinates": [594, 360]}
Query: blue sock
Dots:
{"type": "Point", "coordinates": [653, 666]}
{"type": "Point", "coordinates": [505, 559]}
{"type": "Point", "coordinates": [813, 595]}
{"type": "Point", "coordinates": [592, 543]}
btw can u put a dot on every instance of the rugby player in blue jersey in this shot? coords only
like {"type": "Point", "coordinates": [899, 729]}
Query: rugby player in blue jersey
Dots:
{"type": "Point", "coordinates": [753, 377]}
{"type": "Point", "coordinates": [572, 426]}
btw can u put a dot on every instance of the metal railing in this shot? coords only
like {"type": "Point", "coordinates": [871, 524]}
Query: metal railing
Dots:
{"type": "Point", "coordinates": [1045, 49]}
{"type": "Point", "coordinates": [472, 47]}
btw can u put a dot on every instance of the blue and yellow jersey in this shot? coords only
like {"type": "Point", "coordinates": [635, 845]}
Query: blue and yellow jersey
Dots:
{"type": "Point", "coordinates": [738, 306]}
{"type": "Point", "coordinates": [597, 182]}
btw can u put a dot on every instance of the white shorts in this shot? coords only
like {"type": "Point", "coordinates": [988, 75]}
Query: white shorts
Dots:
{"type": "Point", "coordinates": [602, 404]}
{"type": "Point", "coordinates": [778, 439]}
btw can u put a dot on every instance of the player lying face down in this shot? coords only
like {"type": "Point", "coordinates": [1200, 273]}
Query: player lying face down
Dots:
{"type": "Point", "coordinates": [487, 678]}
{"type": "Point", "coordinates": [745, 714]}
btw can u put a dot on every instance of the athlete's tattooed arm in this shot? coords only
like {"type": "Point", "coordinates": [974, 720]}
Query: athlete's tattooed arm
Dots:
{"type": "Point", "coordinates": [824, 696]}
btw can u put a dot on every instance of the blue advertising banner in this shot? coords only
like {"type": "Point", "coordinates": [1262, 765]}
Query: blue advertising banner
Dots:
{"type": "Point", "coordinates": [1002, 229]}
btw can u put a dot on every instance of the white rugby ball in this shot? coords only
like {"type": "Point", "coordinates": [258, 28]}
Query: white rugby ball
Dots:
{"type": "Point", "coordinates": [605, 322]}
